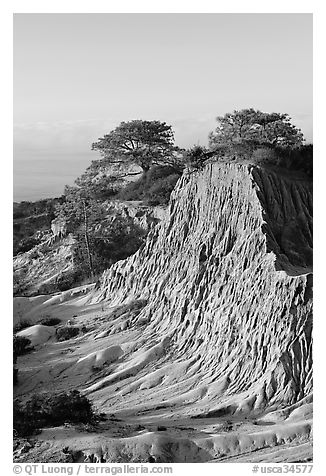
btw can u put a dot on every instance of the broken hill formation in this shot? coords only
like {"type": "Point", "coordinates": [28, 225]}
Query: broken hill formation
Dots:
{"type": "Point", "coordinates": [227, 278]}
{"type": "Point", "coordinates": [212, 317]}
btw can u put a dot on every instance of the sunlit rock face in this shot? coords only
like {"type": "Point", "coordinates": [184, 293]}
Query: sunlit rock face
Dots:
{"type": "Point", "coordinates": [227, 281]}
{"type": "Point", "coordinates": [204, 332]}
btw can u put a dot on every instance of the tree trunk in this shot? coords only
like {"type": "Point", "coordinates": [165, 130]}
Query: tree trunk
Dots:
{"type": "Point", "coordinates": [90, 262]}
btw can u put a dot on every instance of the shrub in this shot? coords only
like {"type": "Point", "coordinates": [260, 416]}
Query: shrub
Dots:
{"type": "Point", "coordinates": [21, 325]}
{"type": "Point", "coordinates": [159, 193]}
{"type": "Point", "coordinates": [108, 243]}
{"type": "Point", "coordinates": [154, 187]}
{"type": "Point", "coordinates": [23, 425]}
{"type": "Point", "coordinates": [26, 244]}
{"type": "Point", "coordinates": [66, 333]}
{"type": "Point", "coordinates": [196, 157]}
{"type": "Point", "coordinates": [44, 289]}
{"type": "Point", "coordinates": [67, 281]}
{"type": "Point", "coordinates": [21, 345]}
{"type": "Point", "coordinates": [265, 155]}
{"type": "Point", "coordinates": [50, 321]}
{"type": "Point", "coordinates": [18, 286]}
{"type": "Point", "coordinates": [300, 159]}
{"type": "Point", "coordinates": [51, 409]}
{"type": "Point", "coordinates": [226, 426]}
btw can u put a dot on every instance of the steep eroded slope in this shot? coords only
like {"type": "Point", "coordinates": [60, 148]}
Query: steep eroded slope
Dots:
{"type": "Point", "coordinates": [208, 324]}
{"type": "Point", "coordinates": [228, 293]}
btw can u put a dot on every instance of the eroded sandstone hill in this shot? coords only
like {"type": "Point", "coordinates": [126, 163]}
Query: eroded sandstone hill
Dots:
{"type": "Point", "coordinates": [227, 280]}
{"type": "Point", "coordinates": [210, 320]}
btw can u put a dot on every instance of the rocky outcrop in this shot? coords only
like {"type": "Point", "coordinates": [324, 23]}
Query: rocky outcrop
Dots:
{"type": "Point", "coordinates": [200, 343]}
{"type": "Point", "coordinates": [58, 228]}
{"type": "Point", "coordinates": [141, 215]}
{"type": "Point", "coordinates": [48, 266]}
{"type": "Point", "coordinates": [227, 280]}
{"type": "Point", "coordinates": [40, 269]}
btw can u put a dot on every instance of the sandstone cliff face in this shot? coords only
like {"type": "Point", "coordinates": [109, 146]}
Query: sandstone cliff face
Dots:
{"type": "Point", "coordinates": [38, 269]}
{"type": "Point", "coordinates": [142, 215]}
{"type": "Point", "coordinates": [227, 281]}
{"type": "Point", "coordinates": [205, 330]}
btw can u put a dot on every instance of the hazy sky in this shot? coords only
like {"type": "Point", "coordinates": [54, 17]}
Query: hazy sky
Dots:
{"type": "Point", "coordinates": [76, 76]}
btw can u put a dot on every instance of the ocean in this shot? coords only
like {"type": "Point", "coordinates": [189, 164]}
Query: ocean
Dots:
{"type": "Point", "coordinates": [35, 179]}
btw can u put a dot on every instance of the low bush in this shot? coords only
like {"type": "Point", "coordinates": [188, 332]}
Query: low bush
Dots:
{"type": "Point", "coordinates": [108, 243]}
{"type": "Point", "coordinates": [21, 325]}
{"type": "Point", "coordinates": [50, 321]}
{"type": "Point", "coordinates": [265, 156]}
{"type": "Point", "coordinates": [67, 281]}
{"type": "Point", "coordinates": [299, 159]}
{"type": "Point", "coordinates": [21, 345]}
{"type": "Point", "coordinates": [51, 409]}
{"type": "Point", "coordinates": [26, 244]}
{"type": "Point", "coordinates": [154, 187]}
{"type": "Point", "coordinates": [226, 426]}
{"type": "Point", "coordinates": [196, 157]}
{"type": "Point", "coordinates": [63, 283]}
{"type": "Point", "coordinates": [159, 193]}
{"type": "Point", "coordinates": [66, 333]}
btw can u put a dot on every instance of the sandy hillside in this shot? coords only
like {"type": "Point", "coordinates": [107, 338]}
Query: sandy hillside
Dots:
{"type": "Point", "coordinates": [198, 347]}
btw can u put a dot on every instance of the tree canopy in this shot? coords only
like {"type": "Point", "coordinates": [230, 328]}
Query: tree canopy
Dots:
{"type": "Point", "coordinates": [138, 142]}
{"type": "Point", "coordinates": [253, 127]}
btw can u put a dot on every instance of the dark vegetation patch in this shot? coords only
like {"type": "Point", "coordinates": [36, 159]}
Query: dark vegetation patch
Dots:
{"type": "Point", "coordinates": [21, 325]}
{"type": "Point", "coordinates": [226, 426]}
{"type": "Point", "coordinates": [154, 187]}
{"type": "Point", "coordinates": [99, 239]}
{"type": "Point", "coordinates": [220, 412]}
{"type": "Point", "coordinates": [50, 321]}
{"type": "Point", "coordinates": [66, 333]}
{"type": "Point", "coordinates": [21, 345]}
{"type": "Point", "coordinates": [298, 159]}
{"type": "Point", "coordinates": [106, 245]}
{"type": "Point", "coordinates": [51, 409]}
{"type": "Point", "coordinates": [196, 157]}
{"type": "Point", "coordinates": [65, 281]}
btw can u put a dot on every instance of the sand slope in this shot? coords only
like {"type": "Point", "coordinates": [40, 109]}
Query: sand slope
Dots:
{"type": "Point", "coordinates": [213, 320]}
